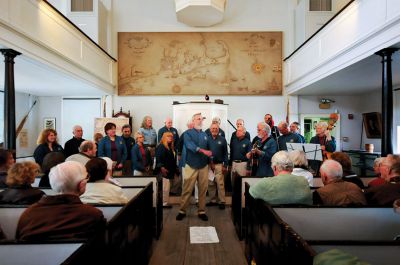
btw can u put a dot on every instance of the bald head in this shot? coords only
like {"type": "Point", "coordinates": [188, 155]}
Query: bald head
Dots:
{"type": "Point", "coordinates": [168, 123]}
{"type": "Point", "coordinates": [283, 128]}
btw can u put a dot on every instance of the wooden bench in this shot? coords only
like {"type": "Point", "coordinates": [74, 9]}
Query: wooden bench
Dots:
{"type": "Point", "coordinates": [295, 234]}
{"type": "Point", "coordinates": [129, 229]}
{"type": "Point", "coordinates": [140, 181]}
{"type": "Point", "coordinates": [239, 200]}
{"type": "Point", "coordinates": [43, 254]}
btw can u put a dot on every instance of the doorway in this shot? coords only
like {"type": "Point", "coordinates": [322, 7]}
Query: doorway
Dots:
{"type": "Point", "coordinates": [309, 121]}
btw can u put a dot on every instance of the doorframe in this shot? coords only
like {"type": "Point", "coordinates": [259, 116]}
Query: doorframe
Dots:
{"type": "Point", "coordinates": [324, 115]}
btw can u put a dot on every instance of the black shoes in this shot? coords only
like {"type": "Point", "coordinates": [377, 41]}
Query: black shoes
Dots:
{"type": "Point", "coordinates": [221, 206]}
{"type": "Point", "coordinates": [202, 216]}
{"type": "Point", "coordinates": [211, 204]}
{"type": "Point", "coordinates": [180, 216]}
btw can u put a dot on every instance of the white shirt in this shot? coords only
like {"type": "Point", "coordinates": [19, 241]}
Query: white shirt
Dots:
{"type": "Point", "coordinates": [304, 173]}
{"type": "Point", "coordinates": [103, 193]}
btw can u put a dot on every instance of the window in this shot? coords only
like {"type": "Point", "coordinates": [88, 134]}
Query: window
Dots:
{"type": "Point", "coordinates": [81, 5]}
{"type": "Point", "coordinates": [320, 5]}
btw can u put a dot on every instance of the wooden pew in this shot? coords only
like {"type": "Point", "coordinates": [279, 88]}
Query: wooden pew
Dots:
{"type": "Point", "coordinates": [238, 198]}
{"type": "Point", "coordinates": [140, 181]}
{"type": "Point", "coordinates": [43, 254]}
{"type": "Point", "coordinates": [294, 234]}
{"type": "Point", "coordinates": [129, 229]}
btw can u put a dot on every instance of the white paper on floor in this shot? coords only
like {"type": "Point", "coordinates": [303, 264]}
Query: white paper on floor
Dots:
{"type": "Point", "coordinates": [203, 235]}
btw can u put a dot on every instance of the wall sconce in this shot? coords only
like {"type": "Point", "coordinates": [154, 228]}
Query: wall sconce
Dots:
{"type": "Point", "coordinates": [325, 103]}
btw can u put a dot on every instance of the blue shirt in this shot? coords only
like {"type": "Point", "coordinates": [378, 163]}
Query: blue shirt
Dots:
{"type": "Point", "coordinates": [150, 136]}
{"type": "Point", "coordinates": [264, 160]}
{"type": "Point", "coordinates": [173, 131]}
{"type": "Point", "coordinates": [219, 149]}
{"type": "Point", "coordinates": [104, 148]}
{"type": "Point", "coordinates": [303, 140]}
{"type": "Point", "coordinates": [239, 149]}
{"type": "Point", "coordinates": [288, 138]}
{"type": "Point", "coordinates": [195, 140]}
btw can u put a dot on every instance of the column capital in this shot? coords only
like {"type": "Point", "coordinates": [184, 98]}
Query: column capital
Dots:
{"type": "Point", "coordinates": [386, 52]}
{"type": "Point", "coordinates": [9, 53]}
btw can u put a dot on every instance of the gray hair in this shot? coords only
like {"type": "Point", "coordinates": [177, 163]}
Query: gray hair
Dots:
{"type": "Point", "coordinates": [322, 124]}
{"type": "Point", "coordinates": [298, 158]}
{"type": "Point", "coordinates": [281, 161]}
{"type": "Point", "coordinates": [332, 169]}
{"type": "Point", "coordinates": [216, 120]}
{"type": "Point", "coordinates": [65, 177]}
{"type": "Point", "coordinates": [109, 162]}
{"type": "Point", "coordinates": [378, 161]}
{"type": "Point", "coordinates": [76, 127]}
{"type": "Point", "coordinates": [196, 114]}
{"type": "Point", "coordinates": [86, 146]}
{"type": "Point", "coordinates": [265, 127]}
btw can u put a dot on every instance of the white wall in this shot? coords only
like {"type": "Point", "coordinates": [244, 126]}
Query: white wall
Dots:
{"type": "Point", "coordinates": [251, 109]}
{"type": "Point", "coordinates": [159, 16]}
{"type": "Point", "coordinates": [23, 102]}
{"type": "Point", "coordinates": [345, 105]}
{"type": "Point", "coordinates": [372, 102]}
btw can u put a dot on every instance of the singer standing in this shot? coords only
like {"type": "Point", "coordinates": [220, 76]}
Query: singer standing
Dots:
{"type": "Point", "coordinates": [196, 162]}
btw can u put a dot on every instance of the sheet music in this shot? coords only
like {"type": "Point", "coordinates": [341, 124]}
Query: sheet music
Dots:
{"type": "Point", "coordinates": [313, 151]}
{"type": "Point", "coordinates": [203, 235]}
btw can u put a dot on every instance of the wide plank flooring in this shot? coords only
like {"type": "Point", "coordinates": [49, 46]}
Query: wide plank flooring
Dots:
{"type": "Point", "coordinates": [174, 246]}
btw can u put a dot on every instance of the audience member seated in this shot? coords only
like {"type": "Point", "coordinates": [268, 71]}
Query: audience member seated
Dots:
{"type": "Point", "coordinates": [387, 193]}
{"type": "Point", "coordinates": [61, 216]}
{"type": "Point", "coordinates": [98, 189]}
{"type": "Point", "coordinates": [19, 179]}
{"type": "Point", "coordinates": [47, 142]}
{"type": "Point", "coordinates": [284, 188]}
{"type": "Point", "coordinates": [348, 175]}
{"type": "Point", "coordinates": [379, 180]}
{"type": "Point", "coordinates": [336, 191]}
{"type": "Point", "coordinates": [300, 164]}
{"type": "Point", "coordinates": [87, 150]}
{"type": "Point", "coordinates": [337, 256]}
{"type": "Point", "coordinates": [109, 176]}
{"type": "Point", "coordinates": [6, 161]}
{"type": "Point", "coordinates": [50, 160]}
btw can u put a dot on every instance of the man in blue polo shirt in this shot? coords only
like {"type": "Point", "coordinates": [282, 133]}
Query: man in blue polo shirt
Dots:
{"type": "Point", "coordinates": [218, 165]}
{"type": "Point", "coordinates": [168, 128]}
{"type": "Point", "coordinates": [240, 146]}
{"type": "Point", "coordinates": [197, 156]}
{"type": "Point", "coordinates": [286, 136]}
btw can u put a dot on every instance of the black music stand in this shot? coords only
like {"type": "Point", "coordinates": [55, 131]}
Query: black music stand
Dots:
{"type": "Point", "coordinates": [313, 151]}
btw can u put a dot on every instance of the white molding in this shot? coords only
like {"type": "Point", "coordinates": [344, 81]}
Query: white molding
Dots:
{"type": "Point", "coordinates": [40, 33]}
{"type": "Point", "coordinates": [362, 29]}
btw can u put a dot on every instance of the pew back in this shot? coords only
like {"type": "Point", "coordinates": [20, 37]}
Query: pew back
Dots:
{"type": "Point", "coordinates": [336, 223]}
{"type": "Point", "coordinates": [41, 254]}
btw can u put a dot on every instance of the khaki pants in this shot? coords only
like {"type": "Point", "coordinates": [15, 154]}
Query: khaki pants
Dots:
{"type": "Point", "coordinates": [217, 183]}
{"type": "Point", "coordinates": [166, 188]}
{"type": "Point", "coordinates": [189, 179]}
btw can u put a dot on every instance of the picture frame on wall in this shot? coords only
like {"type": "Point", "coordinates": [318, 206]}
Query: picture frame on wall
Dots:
{"type": "Point", "coordinates": [373, 124]}
{"type": "Point", "coordinates": [49, 123]}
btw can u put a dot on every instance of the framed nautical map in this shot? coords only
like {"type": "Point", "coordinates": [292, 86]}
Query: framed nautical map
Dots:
{"type": "Point", "coordinates": [199, 63]}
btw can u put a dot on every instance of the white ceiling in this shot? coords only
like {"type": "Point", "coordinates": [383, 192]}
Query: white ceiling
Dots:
{"type": "Point", "coordinates": [360, 78]}
{"type": "Point", "coordinates": [33, 77]}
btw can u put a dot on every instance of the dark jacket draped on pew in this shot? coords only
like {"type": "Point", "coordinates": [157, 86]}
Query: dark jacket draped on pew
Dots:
{"type": "Point", "coordinates": [20, 195]}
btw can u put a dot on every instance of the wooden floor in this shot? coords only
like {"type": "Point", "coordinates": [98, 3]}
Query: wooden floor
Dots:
{"type": "Point", "coordinates": [174, 246]}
